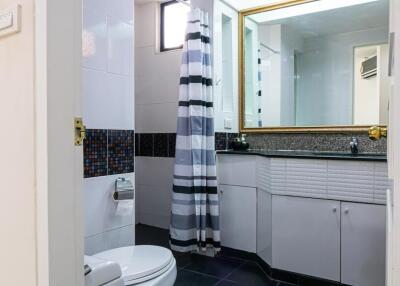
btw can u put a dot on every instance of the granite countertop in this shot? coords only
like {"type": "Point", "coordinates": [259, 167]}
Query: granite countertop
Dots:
{"type": "Point", "coordinates": [310, 154]}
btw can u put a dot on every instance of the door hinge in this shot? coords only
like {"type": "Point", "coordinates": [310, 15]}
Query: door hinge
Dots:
{"type": "Point", "coordinates": [80, 131]}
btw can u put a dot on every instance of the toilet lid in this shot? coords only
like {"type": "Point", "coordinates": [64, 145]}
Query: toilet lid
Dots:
{"type": "Point", "coordinates": [138, 261]}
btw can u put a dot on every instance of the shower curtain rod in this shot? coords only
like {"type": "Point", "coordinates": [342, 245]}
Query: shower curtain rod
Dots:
{"type": "Point", "coordinates": [268, 48]}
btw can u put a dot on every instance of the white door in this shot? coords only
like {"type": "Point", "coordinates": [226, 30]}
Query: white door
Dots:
{"type": "Point", "coordinates": [238, 217]}
{"type": "Point", "coordinates": [59, 163]}
{"type": "Point", "coordinates": [306, 236]}
{"type": "Point", "coordinates": [393, 206]}
{"type": "Point", "coordinates": [363, 240]}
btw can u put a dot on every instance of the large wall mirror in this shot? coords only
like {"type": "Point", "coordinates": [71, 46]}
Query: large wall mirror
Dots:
{"type": "Point", "coordinates": [317, 65]}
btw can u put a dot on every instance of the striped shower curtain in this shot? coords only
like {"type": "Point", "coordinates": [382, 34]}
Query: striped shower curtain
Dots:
{"type": "Point", "coordinates": [195, 204]}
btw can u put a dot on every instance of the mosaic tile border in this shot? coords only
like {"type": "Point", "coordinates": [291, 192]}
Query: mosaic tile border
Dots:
{"type": "Point", "coordinates": [108, 152]}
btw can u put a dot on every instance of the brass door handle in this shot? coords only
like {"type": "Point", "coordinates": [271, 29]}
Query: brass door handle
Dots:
{"type": "Point", "coordinates": [376, 133]}
{"type": "Point", "coordinates": [80, 131]}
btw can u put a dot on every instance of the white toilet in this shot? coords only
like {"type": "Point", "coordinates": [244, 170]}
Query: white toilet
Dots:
{"type": "Point", "coordinates": [142, 265]}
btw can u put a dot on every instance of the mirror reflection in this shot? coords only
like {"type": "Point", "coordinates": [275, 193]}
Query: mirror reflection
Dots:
{"type": "Point", "coordinates": [323, 63]}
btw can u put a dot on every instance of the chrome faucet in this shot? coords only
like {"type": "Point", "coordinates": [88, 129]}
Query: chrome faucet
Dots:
{"type": "Point", "coordinates": [354, 146]}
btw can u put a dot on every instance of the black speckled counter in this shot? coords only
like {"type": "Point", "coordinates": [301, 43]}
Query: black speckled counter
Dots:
{"type": "Point", "coordinates": [310, 155]}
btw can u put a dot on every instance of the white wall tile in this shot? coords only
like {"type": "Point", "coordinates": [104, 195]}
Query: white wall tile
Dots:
{"type": "Point", "coordinates": [95, 100]}
{"type": "Point", "coordinates": [155, 199]}
{"type": "Point", "coordinates": [156, 77]}
{"type": "Point", "coordinates": [108, 100]}
{"type": "Point", "coordinates": [156, 118]}
{"type": "Point", "coordinates": [108, 104]}
{"type": "Point", "coordinates": [160, 84]}
{"type": "Point", "coordinates": [120, 102]}
{"type": "Point", "coordinates": [101, 212]}
{"type": "Point", "coordinates": [121, 9]}
{"type": "Point", "coordinates": [161, 174]}
{"type": "Point", "coordinates": [119, 46]}
{"type": "Point", "coordinates": [154, 186]}
{"type": "Point", "coordinates": [145, 16]}
{"type": "Point", "coordinates": [154, 205]}
{"type": "Point", "coordinates": [94, 40]}
{"type": "Point", "coordinates": [120, 237]}
{"type": "Point", "coordinates": [99, 6]}
{"type": "Point", "coordinates": [94, 244]}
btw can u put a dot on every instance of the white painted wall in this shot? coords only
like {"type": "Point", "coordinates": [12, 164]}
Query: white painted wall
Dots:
{"type": "Point", "coordinates": [18, 204]}
{"type": "Point", "coordinates": [108, 84]}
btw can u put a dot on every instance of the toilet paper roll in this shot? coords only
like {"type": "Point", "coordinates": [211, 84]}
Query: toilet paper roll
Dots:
{"type": "Point", "coordinates": [123, 195]}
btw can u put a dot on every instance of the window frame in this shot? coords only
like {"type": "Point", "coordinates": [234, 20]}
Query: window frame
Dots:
{"type": "Point", "coordinates": [163, 5]}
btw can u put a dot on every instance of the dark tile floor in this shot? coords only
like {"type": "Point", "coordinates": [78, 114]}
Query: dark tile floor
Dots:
{"type": "Point", "coordinates": [198, 270]}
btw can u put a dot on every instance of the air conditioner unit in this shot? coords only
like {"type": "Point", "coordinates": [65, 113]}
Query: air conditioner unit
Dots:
{"type": "Point", "coordinates": [369, 67]}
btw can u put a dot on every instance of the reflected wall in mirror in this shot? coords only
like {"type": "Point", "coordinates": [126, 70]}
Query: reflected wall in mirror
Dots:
{"type": "Point", "coordinates": [317, 64]}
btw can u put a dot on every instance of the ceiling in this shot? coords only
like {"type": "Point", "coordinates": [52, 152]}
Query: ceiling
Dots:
{"type": "Point", "coordinates": [353, 18]}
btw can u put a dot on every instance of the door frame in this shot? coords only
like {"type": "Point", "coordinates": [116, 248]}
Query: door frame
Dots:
{"type": "Point", "coordinates": [393, 255]}
{"type": "Point", "coordinates": [59, 176]}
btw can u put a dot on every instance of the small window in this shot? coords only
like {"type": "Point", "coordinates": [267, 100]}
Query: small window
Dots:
{"type": "Point", "coordinates": [173, 17]}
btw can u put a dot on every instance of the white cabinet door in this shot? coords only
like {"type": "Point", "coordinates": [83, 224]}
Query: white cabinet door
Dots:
{"type": "Point", "coordinates": [363, 244]}
{"type": "Point", "coordinates": [264, 226]}
{"type": "Point", "coordinates": [306, 236]}
{"type": "Point", "coordinates": [238, 217]}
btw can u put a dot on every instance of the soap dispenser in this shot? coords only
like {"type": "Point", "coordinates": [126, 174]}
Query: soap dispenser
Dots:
{"type": "Point", "coordinates": [240, 143]}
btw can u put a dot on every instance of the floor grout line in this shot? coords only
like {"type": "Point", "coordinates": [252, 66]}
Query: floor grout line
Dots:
{"type": "Point", "coordinates": [205, 274]}
{"type": "Point", "coordinates": [237, 268]}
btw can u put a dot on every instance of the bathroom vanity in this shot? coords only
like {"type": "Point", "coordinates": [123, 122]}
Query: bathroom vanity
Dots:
{"type": "Point", "coordinates": [316, 214]}
{"type": "Point", "coordinates": [310, 77]}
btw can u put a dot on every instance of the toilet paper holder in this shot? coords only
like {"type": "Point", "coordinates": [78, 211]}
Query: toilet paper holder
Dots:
{"type": "Point", "coordinates": [123, 190]}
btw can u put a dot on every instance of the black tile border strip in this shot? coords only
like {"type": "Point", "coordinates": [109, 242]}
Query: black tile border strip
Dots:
{"type": "Point", "coordinates": [108, 152]}
{"type": "Point", "coordinates": [162, 145]}
{"type": "Point", "coordinates": [280, 275]}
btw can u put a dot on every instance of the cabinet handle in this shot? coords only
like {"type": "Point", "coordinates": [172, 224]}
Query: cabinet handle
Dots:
{"type": "Point", "coordinates": [346, 211]}
{"type": "Point", "coordinates": [334, 209]}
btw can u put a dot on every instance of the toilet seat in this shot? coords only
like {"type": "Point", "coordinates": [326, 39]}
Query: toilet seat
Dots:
{"type": "Point", "coordinates": [140, 263]}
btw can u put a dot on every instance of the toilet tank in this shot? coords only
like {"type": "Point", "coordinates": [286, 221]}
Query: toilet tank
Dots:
{"type": "Point", "coordinates": [102, 272]}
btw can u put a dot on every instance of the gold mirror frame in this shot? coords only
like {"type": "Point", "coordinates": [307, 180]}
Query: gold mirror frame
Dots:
{"type": "Point", "coordinates": [288, 129]}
